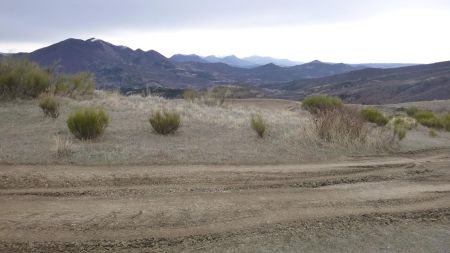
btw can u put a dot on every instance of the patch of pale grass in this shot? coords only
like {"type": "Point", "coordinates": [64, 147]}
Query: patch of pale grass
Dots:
{"type": "Point", "coordinates": [210, 134]}
{"type": "Point", "coordinates": [62, 146]}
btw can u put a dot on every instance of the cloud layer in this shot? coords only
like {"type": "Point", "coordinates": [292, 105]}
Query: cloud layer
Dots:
{"type": "Point", "coordinates": [27, 24]}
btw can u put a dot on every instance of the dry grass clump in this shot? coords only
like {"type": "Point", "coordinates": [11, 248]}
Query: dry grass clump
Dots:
{"type": "Point", "coordinates": [317, 104]}
{"type": "Point", "coordinates": [411, 111]}
{"type": "Point", "coordinates": [63, 146]}
{"type": "Point", "coordinates": [165, 122]}
{"type": "Point", "coordinates": [50, 105]}
{"type": "Point", "coordinates": [88, 123]}
{"type": "Point", "coordinates": [340, 125]}
{"type": "Point", "coordinates": [432, 133]}
{"type": "Point", "coordinates": [190, 95]}
{"type": "Point", "coordinates": [400, 131]}
{"type": "Point", "coordinates": [344, 130]}
{"type": "Point", "coordinates": [258, 124]}
{"type": "Point", "coordinates": [374, 115]}
{"type": "Point", "coordinates": [408, 122]}
{"type": "Point", "coordinates": [215, 96]}
{"type": "Point", "coordinates": [401, 125]}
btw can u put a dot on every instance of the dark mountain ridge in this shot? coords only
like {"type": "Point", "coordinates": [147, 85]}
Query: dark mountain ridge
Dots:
{"type": "Point", "coordinates": [377, 86]}
{"type": "Point", "coordinates": [120, 66]}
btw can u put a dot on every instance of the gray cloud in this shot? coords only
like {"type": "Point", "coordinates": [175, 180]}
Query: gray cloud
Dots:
{"type": "Point", "coordinates": [34, 21]}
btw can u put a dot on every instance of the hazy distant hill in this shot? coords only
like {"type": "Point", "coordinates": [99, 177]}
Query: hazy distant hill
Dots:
{"type": "Point", "coordinates": [263, 60]}
{"type": "Point", "coordinates": [119, 66]}
{"type": "Point", "coordinates": [383, 65]}
{"type": "Point", "coordinates": [187, 58]}
{"type": "Point", "coordinates": [377, 86]}
{"type": "Point", "coordinates": [231, 60]}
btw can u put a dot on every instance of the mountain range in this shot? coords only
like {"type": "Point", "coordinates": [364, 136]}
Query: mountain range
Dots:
{"type": "Point", "coordinates": [376, 86]}
{"type": "Point", "coordinates": [121, 67]}
{"type": "Point", "coordinates": [254, 61]}
{"type": "Point", "coordinates": [232, 60]}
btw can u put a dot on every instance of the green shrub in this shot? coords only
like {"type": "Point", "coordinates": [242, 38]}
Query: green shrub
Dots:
{"type": "Point", "coordinates": [411, 111]}
{"type": "Point", "coordinates": [79, 84]}
{"type": "Point", "coordinates": [25, 79]}
{"type": "Point", "coordinates": [446, 122]}
{"type": "Point", "coordinates": [164, 122]}
{"type": "Point", "coordinates": [316, 104]}
{"type": "Point", "coordinates": [402, 125]}
{"type": "Point", "coordinates": [428, 119]}
{"type": "Point", "coordinates": [88, 123]}
{"type": "Point", "coordinates": [190, 95]}
{"type": "Point", "coordinates": [22, 78]}
{"type": "Point", "coordinates": [50, 105]}
{"type": "Point", "coordinates": [432, 133]}
{"type": "Point", "coordinates": [375, 116]}
{"type": "Point", "coordinates": [408, 122]}
{"type": "Point", "coordinates": [258, 124]}
{"type": "Point", "coordinates": [400, 131]}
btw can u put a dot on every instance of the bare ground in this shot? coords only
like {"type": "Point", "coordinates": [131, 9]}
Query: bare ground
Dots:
{"type": "Point", "coordinates": [398, 203]}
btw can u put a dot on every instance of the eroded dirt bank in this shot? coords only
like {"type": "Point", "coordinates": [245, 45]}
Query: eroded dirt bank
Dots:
{"type": "Point", "coordinates": [370, 204]}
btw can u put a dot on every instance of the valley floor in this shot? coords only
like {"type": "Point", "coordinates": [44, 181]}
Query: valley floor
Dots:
{"type": "Point", "coordinates": [393, 203]}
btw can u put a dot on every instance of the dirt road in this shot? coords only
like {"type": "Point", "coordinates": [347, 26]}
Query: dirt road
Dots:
{"type": "Point", "coordinates": [366, 204]}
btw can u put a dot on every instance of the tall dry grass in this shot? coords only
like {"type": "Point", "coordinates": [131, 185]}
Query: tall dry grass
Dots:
{"type": "Point", "coordinates": [62, 146]}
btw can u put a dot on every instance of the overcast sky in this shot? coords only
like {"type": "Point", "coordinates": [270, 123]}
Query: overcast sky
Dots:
{"type": "Point", "coordinates": [353, 31]}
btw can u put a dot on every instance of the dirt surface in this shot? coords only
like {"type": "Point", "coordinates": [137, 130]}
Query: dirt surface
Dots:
{"type": "Point", "coordinates": [364, 204]}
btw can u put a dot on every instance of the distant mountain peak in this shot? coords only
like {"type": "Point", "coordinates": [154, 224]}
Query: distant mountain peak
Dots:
{"type": "Point", "coordinates": [187, 58]}
{"type": "Point", "coordinates": [231, 60]}
{"type": "Point", "coordinates": [95, 40]}
{"type": "Point", "coordinates": [230, 57]}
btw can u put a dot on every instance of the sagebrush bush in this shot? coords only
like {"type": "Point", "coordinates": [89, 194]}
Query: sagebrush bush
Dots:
{"type": "Point", "coordinates": [411, 111]}
{"type": "Point", "coordinates": [79, 84]}
{"type": "Point", "coordinates": [258, 124]}
{"type": "Point", "coordinates": [50, 105]}
{"type": "Point", "coordinates": [340, 125]}
{"type": "Point", "coordinates": [190, 95]}
{"type": "Point", "coordinates": [374, 115]}
{"type": "Point", "coordinates": [165, 122]}
{"type": "Point", "coordinates": [428, 119]}
{"type": "Point", "coordinates": [400, 131]}
{"type": "Point", "coordinates": [408, 122]}
{"type": "Point", "coordinates": [22, 78]}
{"type": "Point", "coordinates": [432, 133]}
{"type": "Point", "coordinates": [401, 126]}
{"type": "Point", "coordinates": [25, 79]}
{"type": "Point", "coordinates": [316, 104]}
{"type": "Point", "coordinates": [87, 123]}
{"type": "Point", "coordinates": [445, 120]}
